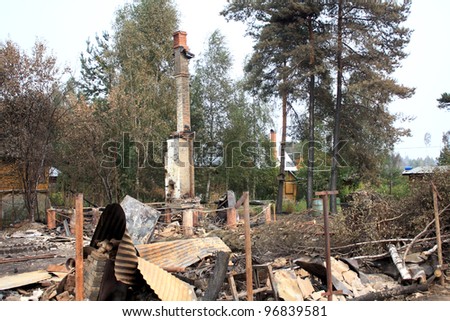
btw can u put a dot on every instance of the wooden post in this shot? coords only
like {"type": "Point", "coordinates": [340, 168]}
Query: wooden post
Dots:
{"type": "Point", "coordinates": [274, 213]}
{"type": "Point", "coordinates": [438, 233]}
{"type": "Point", "coordinates": [195, 218]}
{"type": "Point", "coordinates": [95, 216]}
{"type": "Point", "coordinates": [268, 214]}
{"type": "Point", "coordinates": [167, 216]}
{"type": "Point", "coordinates": [1, 210]}
{"type": "Point", "coordinates": [79, 280]}
{"type": "Point", "coordinates": [188, 223]}
{"type": "Point", "coordinates": [231, 217]}
{"type": "Point", "coordinates": [13, 216]}
{"type": "Point", "coordinates": [51, 218]}
{"type": "Point", "coordinates": [248, 248]}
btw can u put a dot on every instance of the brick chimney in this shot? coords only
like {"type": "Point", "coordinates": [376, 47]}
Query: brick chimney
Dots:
{"type": "Point", "coordinates": [179, 164]}
{"type": "Point", "coordinates": [182, 56]}
{"type": "Point", "coordinates": [273, 140]}
{"type": "Point", "coordinates": [179, 40]}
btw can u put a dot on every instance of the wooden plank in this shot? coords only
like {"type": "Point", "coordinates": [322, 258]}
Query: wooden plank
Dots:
{"type": "Point", "coordinates": [322, 193]}
{"type": "Point", "coordinates": [233, 289]}
{"type": "Point", "coordinates": [26, 258]}
{"type": "Point", "coordinates": [18, 280]}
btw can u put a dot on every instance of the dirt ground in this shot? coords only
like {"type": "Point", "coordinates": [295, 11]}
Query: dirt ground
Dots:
{"type": "Point", "coordinates": [269, 244]}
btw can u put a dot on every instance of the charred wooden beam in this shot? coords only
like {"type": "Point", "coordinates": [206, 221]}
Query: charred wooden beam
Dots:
{"type": "Point", "coordinates": [216, 280]}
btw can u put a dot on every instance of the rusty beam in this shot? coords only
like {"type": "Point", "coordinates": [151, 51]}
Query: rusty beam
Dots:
{"type": "Point", "coordinates": [248, 248]}
{"type": "Point", "coordinates": [79, 280]}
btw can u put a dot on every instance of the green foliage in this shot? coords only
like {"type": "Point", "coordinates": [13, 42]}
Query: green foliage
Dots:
{"type": "Point", "coordinates": [371, 216]}
{"type": "Point", "coordinates": [31, 107]}
{"type": "Point", "coordinates": [444, 101]}
{"type": "Point", "coordinates": [231, 129]}
{"type": "Point", "coordinates": [444, 156]}
{"type": "Point", "coordinates": [294, 206]}
{"type": "Point", "coordinates": [374, 42]}
{"type": "Point", "coordinates": [57, 199]}
{"type": "Point", "coordinates": [126, 106]}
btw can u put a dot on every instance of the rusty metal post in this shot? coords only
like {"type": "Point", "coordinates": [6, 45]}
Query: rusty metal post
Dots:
{"type": "Point", "coordinates": [324, 196]}
{"type": "Point", "coordinates": [51, 218]}
{"type": "Point", "coordinates": [79, 280]}
{"type": "Point", "coordinates": [248, 248]}
{"type": "Point", "coordinates": [231, 217]}
{"type": "Point", "coordinates": [438, 233]}
{"type": "Point", "coordinates": [268, 214]}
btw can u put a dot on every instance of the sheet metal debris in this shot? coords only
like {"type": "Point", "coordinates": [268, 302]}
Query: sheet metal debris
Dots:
{"type": "Point", "coordinates": [141, 219]}
{"type": "Point", "coordinates": [165, 285]}
{"type": "Point", "coordinates": [126, 261]}
{"type": "Point", "coordinates": [181, 253]}
{"type": "Point", "coordinates": [17, 280]}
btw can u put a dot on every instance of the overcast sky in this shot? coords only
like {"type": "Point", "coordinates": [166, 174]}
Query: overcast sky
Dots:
{"type": "Point", "coordinates": [66, 25]}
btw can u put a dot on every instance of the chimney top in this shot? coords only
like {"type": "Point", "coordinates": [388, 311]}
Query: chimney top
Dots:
{"type": "Point", "coordinates": [179, 40]}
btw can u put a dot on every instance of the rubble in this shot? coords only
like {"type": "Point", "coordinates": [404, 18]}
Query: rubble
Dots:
{"type": "Point", "coordinates": [209, 265]}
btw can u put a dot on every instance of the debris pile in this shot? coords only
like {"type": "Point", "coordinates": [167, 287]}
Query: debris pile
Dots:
{"type": "Point", "coordinates": [123, 261]}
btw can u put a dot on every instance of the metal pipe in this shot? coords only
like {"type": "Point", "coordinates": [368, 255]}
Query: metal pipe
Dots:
{"type": "Point", "coordinates": [327, 247]}
{"type": "Point", "coordinates": [324, 196]}
{"type": "Point", "coordinates": [248, 248]}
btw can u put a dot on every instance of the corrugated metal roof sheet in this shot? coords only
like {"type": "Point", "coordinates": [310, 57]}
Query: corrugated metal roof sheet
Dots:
{"type": "Point", "coordinates": [425, 170]}
{"type": "Point", "coordinates": [126, 261]}
{"type": "Point", "coordinates": [165, 285]}
{"type": "Point", "coordinates": [171, 255]}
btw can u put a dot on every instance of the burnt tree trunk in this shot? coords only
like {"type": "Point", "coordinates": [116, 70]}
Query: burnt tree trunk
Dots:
{"type": "Point", "coordinates": [310, 179]}
{"type": "Point", "coordinates": [282, 174]}
{"type": "Point", "coordinates": [337, 113]}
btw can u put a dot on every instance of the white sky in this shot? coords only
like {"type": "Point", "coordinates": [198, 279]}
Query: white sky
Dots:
{"type": "Point", "coordinates": [66, 25]}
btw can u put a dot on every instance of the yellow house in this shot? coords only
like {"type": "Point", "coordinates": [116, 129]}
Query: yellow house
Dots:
{"type": "Point", "coordinates": [10, 179]}
{"type": "Point", "coordinates": [290, 181]}
{"type": "Point", "coordinates": [12, 205]}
